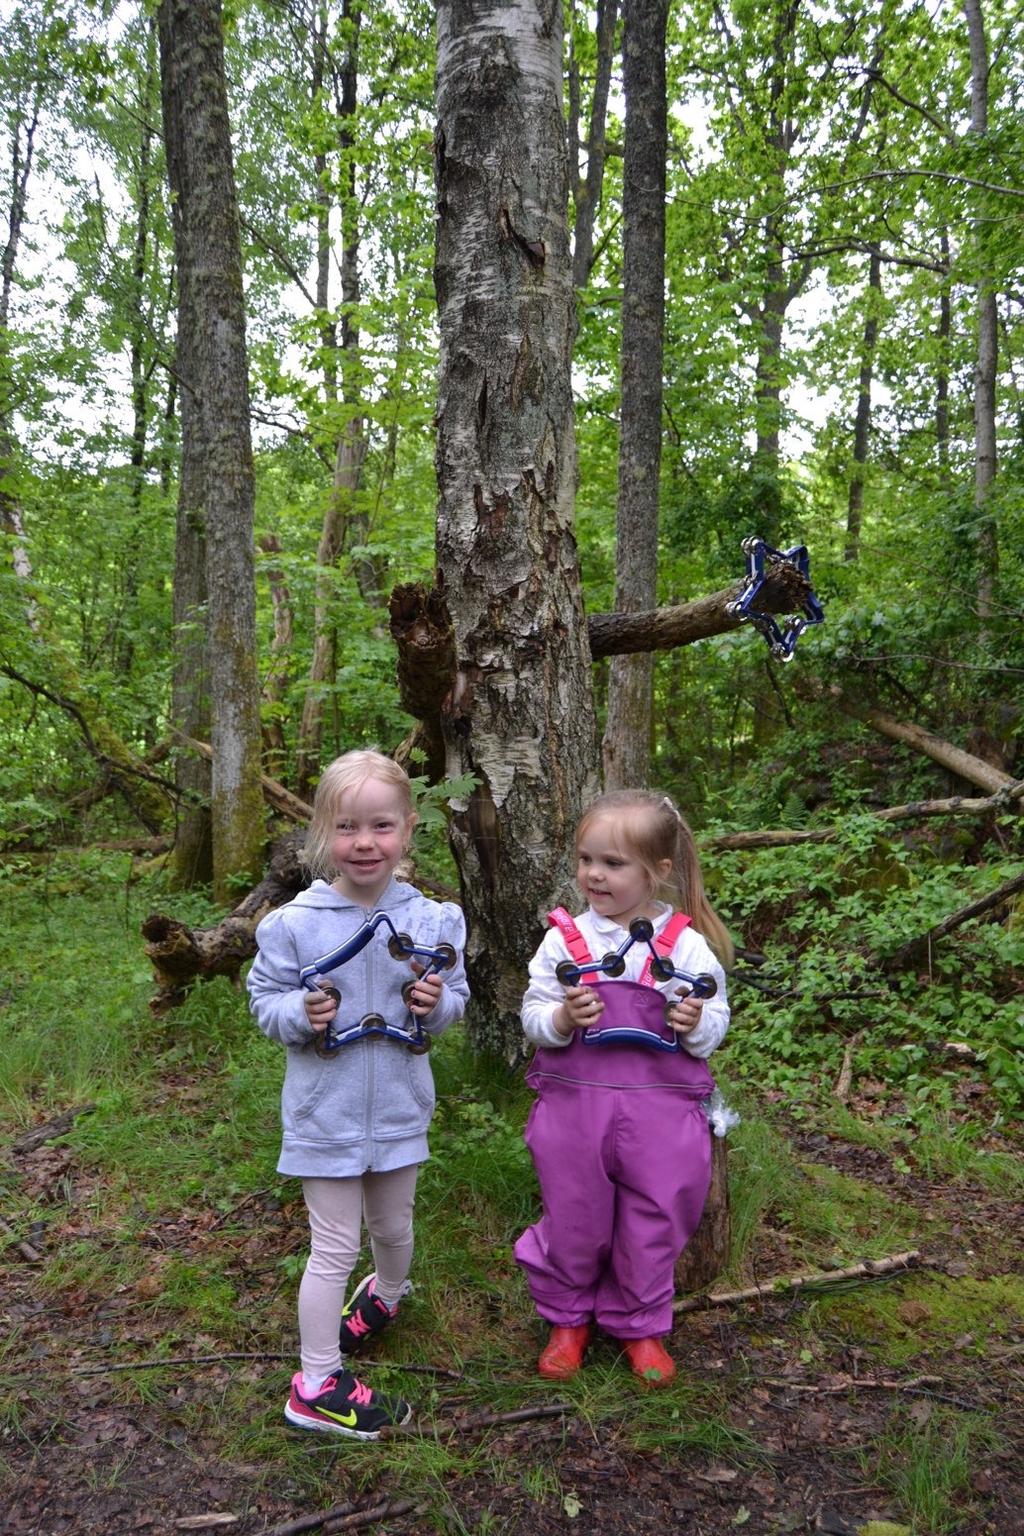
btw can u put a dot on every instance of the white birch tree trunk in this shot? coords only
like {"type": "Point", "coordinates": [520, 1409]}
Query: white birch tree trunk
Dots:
{"type": "Point", "coordinates": [520, 713]}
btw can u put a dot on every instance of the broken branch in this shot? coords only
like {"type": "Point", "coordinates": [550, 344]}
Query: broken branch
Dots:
{"type": "Point", "coordinates": [907, 953]}
{"type": "Point", "coordinates": [868, 1270]}
{"type": "Point", "coordinates": [955, 805]}
{"type": "Point", "coordinates": [29, 1254]}
{"type": "Point", "coordinates": [343, 1517]}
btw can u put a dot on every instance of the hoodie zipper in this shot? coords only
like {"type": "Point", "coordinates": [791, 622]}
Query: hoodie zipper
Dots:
{"type": "Point", "coordinates": [370, 1053]}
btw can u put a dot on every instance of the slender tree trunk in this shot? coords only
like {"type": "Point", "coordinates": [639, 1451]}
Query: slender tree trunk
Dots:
{"type": "Point", "coordinates": [520, 712]}
{"type": "Point", "coordinates": [62, 685]}
{"type": "Point", "coordinates": [340, 528]}
{"type": "Point", "coordinates": [198, 137]}
{"type": "Point", "coordinates": [275, 684]}
{"type": "Point", "coordinates": [942, 371]}
{"type": "Point", "coordinates": [627, 736]}
{"type": "Point", "coordinates": [22, 153]}
{"type": "Point", "coordinates": [862, 423]}
{"type": "Point", "coordinates": [587, 190]}
{"type": "Point", "coordinates": [988, 341]}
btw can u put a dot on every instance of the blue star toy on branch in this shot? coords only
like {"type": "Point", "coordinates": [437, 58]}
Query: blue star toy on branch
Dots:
{"type": "Point", "coordinates": [781, 642]}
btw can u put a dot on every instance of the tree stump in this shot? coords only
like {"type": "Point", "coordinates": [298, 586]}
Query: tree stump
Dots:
{"type": "Point", "coordinates": [707, 1253]}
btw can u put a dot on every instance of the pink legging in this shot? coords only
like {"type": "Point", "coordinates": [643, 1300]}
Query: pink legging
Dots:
{"type": "Point", "coordinates": [336, 1209]}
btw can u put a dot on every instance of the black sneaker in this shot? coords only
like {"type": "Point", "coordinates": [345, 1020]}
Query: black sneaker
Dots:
{"type": "Point", "coordinates": [364, 1315]}
{"type": "Point", "coordinates": [345, 1406]}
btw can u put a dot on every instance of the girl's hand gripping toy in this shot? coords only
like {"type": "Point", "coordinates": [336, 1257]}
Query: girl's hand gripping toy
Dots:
{"type": "Point", "coordinates": [612, 1027]}
{"type": "Point", "coordinates": [400, 947]}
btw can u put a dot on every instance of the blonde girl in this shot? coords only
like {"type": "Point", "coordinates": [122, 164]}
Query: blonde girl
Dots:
{"type": "Point", "coordinates": [355, 1115]}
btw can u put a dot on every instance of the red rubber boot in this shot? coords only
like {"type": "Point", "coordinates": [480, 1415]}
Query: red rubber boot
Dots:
{"type": "Point", "coordinates": [562, 1355]}
{"type": "Point", "coordinates": [650, 1360]}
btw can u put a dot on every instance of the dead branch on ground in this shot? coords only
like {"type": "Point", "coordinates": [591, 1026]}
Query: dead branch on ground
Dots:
{"type": "Point", "coordinates": [154, 1365]}
{"type": "Point", "coordinates": [345, 1517]}
{"type": "Point", "coordinates": [910, 952]}
{"type": "Point", "coordinates": [29, 1254]}
{"type": "Point", "coordinates": [28, 1141]}
{"type": "Point", "coordinates": [963, 764]}
{"type": "Point", "coordinates": [868, 1270]}
{"type": "Point", "coordinates": [182, 955]}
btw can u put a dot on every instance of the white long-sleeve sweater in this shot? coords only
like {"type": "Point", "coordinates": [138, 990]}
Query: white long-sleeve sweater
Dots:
{"type": "Point", "coordinates": [691, 953]}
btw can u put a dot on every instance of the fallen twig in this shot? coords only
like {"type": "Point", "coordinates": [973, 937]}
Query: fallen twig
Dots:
{"type": "Point", "coordinates": [149, 1365]}
{"type": "Point", "coordinates": [915, 947]}
{"type": "Point", "coordinates": [868, 1270]}
{"type": "Point", "coordinates": [229, 1215]}
{"type": "Point", "coordinates": [845, 1079]}
{"type": "Point", "coordinates": [517, 1416]}
{"type": "Point", "coordinates": [208, 1522]}
{"type": "Point", "coordinates": [59, 1126]}
{"type": "Point", "coordinates": [415, 1370]}
{"type": "Point", "coordinates": [924, 1384]}
{"type": "Point", "coordinates": [343, 1517]}
{"type": "Point", "coordinates": [454, 1424]}
{"type": "Point", "coordinates": [391, 1509]}
{"type": "Point", "coordinates": [29, 1254]}
{"type": "Point", "coordinates": [848, 1383]}
{"type": "Point", "coordinates": [155, 1365]}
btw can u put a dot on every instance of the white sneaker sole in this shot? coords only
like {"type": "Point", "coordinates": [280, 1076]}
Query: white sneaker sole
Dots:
{"type": "Point", "coordinates": [327, 1427]}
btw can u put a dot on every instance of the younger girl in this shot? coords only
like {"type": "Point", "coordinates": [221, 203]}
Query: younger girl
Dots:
{"type": "Point", "coordinates": [618, 1135]}
{"type": "Point", "coordinates": [355, 1118]}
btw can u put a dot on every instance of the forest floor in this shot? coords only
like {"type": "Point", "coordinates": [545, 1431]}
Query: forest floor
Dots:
{"type": "Point", "coordinates": [894, 1400]}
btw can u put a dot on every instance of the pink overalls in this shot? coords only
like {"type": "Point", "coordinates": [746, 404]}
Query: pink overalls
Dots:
{"type": "Point", "coordinates": [622, 1150]}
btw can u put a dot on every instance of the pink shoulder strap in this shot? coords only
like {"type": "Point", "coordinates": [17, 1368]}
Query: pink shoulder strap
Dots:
{"type": "Point", "coordinates": [575, 943]}
{"type": "Point", "coordinates": [665, 943]}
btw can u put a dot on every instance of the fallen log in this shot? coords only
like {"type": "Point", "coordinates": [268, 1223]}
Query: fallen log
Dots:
{"type": "Point", "coordinates": [181, 956]}
{"type": "Point", "coordinates": [963, 764]}
{"type": "Point", "coordinates": [955, 805]}
{"type": "Point", "coordinates": [39, 1135]}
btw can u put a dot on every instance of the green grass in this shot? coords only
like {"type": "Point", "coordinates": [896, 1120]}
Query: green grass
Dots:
{"type": "Point", "coordinates": [939, 1146]}
{"type": "Point", "coordinates": [929, 1466]}
{"type": "Point", "coordinates": [966, 1314]}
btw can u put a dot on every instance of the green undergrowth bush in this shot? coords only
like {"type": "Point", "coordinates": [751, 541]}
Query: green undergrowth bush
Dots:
{"type": "Point", "coordinates": [827, 917]}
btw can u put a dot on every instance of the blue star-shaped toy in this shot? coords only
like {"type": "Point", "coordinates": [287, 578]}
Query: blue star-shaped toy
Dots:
{"type": "Point", "coordinates": [781, 642]}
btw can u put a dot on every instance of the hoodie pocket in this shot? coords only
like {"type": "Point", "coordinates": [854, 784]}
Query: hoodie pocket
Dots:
{"type": "Point", "coordinates": [305, 1084]}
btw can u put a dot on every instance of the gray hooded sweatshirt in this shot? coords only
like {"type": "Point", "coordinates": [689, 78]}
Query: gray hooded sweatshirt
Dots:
{"type": "Point", "coordinates": [366, 1106]}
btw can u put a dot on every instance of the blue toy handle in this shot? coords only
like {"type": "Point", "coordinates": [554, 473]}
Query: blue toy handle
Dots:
{"type": "Point", "coordinates": [347, 951]}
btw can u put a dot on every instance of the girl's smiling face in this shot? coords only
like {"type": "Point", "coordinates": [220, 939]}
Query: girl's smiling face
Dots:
{"type": "Point", "coordinates": [371, 833]}
{"type": "Point", "coordinates": [610, 875]}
